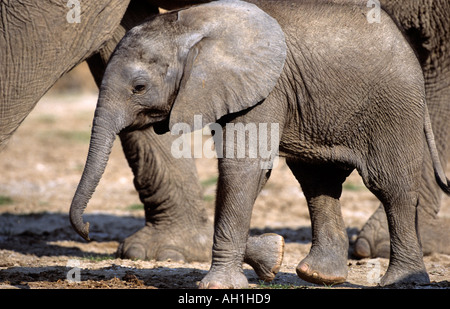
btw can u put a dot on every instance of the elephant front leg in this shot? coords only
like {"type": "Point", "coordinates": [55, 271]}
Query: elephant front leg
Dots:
{"type": "Point", "coordinates": [239, 184]}
{"type": "Point", "coordinates": [326, 263]}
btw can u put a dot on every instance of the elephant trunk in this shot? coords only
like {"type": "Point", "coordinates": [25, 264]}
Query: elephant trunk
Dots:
{"type": "Point", "coordinates": [105, 127]}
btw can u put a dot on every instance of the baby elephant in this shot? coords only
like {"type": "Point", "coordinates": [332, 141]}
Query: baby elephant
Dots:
{"type": "Point", "coordinates": [338, 92]}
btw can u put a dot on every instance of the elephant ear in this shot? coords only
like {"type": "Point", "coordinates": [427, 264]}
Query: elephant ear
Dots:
{"type": "Point", "coordinates": [234, 54]}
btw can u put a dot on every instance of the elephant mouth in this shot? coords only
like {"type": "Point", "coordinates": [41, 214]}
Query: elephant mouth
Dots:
{"type": "Point", "coordinates": [161, 127]}
{"type": "Point", "coordinates": [148, 118]}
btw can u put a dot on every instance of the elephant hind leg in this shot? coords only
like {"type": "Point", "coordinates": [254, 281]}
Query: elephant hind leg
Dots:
{"type": "Point", "coordinates": [326, 262]}
{"type": "Point", "coordinates": [396, 185]}
{"type": "Point", "coordinates": [373, 240]}
{"type": "Point", "coordinates": [406, 258]}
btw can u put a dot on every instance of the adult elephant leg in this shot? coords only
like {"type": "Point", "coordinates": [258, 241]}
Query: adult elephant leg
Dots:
{"type": "Point", "coordinates": [373, 240]}
{"type": "Point", "coordinates": [326, 263]}
{"type": "Point", "coordinates": [177, 226]}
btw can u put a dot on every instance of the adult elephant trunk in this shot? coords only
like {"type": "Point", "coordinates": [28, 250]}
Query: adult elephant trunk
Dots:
{"type": "Point", "coordinates": [105, 128]}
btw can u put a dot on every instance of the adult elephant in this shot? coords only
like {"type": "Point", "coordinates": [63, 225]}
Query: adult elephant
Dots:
{"type": "Point", "coordinates": [427, 25]}
{"type": "Point", "coordinates": [41, 42]}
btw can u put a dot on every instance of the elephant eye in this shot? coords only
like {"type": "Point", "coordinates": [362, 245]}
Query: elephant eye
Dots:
{"type": "Point", "coordinates": [139, 89]}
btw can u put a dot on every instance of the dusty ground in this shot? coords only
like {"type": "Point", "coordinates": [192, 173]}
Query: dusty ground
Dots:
{"type": "Point", "coordinates": [41, 168]}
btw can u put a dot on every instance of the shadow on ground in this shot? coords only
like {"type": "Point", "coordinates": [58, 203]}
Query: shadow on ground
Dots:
{"type": "Point", "coordinates": [34, 233]}
{"type": "Point", "coordinates": [41, 235]}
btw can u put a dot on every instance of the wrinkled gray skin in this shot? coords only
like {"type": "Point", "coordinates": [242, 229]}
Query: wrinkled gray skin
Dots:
{"type": "Point", "coordinates": [24, 83]}
{"type": "Point", "coordinates": [30, 63]}
{"type": "Point", "coordinates": [351, 98]}
{"type": "Point", "coordinates": [38, 45]}
{"type": "Point", "coordinates": [427, 25]}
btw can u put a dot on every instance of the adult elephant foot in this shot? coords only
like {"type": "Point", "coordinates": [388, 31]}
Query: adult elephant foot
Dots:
{"type": "Point", "coordinates": [177, 225]}
{"type": "Point", "coordinates": [435, 236]}
{"type": "Point", "coordinates": [323, 266]}
{"type": "Point", "coordinates": [373, 240]}
{"type": "Point", "coordinates": [161, 244]}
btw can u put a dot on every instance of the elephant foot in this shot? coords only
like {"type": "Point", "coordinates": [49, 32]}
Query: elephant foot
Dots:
{"type": "Point", "coordinates": [314, 273]}
{"type": "Point", "coordinates": [151, 243]}
{"type": "Point", "coordinates": [224, 279]}
{"type": "Point", "coordinates": [323, 267]}
{"type": "Point", "coordinates": [265, 254]}
{"type": "Point", "coordinates": [373, 240]}
{"type": "Point", "coordinates": [404, 275]}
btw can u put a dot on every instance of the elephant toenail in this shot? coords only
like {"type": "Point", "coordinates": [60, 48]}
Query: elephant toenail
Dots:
{"type": "Point", "coordinates": [362, 248]}
{"type": "Point", "coordinates": [170, 255]}
{"type": "Point", "coordinates": [135, 251]}
{"type": "Point", "coordinates": [304, 267]}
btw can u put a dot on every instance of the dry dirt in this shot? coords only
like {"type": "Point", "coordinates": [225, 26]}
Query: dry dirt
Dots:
{"type": "Point", "coordinates": [41, 168]}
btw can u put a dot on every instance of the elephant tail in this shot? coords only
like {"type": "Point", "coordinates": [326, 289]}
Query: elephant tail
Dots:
{"type": "Point", "coordinates": [439, 173]}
